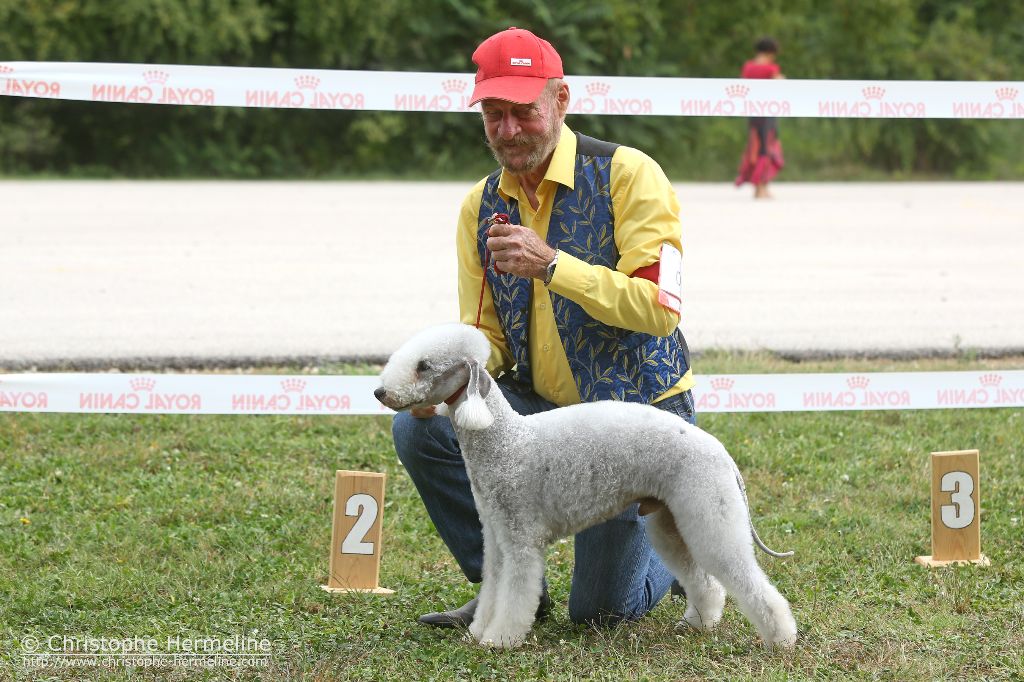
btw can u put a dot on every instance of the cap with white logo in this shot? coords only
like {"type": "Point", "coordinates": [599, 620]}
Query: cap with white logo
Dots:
{"type": "Point", "coordinates": [514, 65]}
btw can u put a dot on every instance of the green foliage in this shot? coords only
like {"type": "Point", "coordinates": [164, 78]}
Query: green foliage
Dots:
{"type": "Point", "coordinates": [845, 39]}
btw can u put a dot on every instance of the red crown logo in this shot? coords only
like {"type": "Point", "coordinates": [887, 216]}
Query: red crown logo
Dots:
{"type": "Point", "coordinates": [142, 384]}
{"type": "Point", "coordinates": [722, 384]}
{"type": "Point", "coordinates": [737, 90]}
{"type": "Point", "coordinates": [1006, 93]}
{"type": "Point", "coordinates": [155, 76]}
{"type": "Point", "coordinates": [858, 382]}
{"type": "Point", "coordinates": [454, 85]}
{"type": "Point", "coordinates": [6, 69]}
{"type": "Point", "coordinates": [873, 92]}
{"type": "Point", "coordinates": [293, 385]}
{"type": "Point", "coordinates": [598, 89]}
{"type": "Point", "coordinates": [307, 82]}
{"type": "Point", "coordinates": [992, 380]}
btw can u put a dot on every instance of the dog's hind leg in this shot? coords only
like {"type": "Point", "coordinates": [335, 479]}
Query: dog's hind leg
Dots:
{"type": "Point", "coordinates": [725, 551]}
{"type": "Point", "coordinates": [761, 603]}
{"type": "Point", "coordinates": [705, 597]}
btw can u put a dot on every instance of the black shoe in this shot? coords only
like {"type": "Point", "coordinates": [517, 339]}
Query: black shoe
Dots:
{"type": "Point", "coordinates": [462, 617]}
{"type": "Point", "coordinates": [456, 618]}
{"type": "Point", "coordinates": [677, 590]}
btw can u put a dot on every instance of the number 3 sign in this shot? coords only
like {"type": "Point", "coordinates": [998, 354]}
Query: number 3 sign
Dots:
{"type": "Point", "coordinates": [355, 537]}
{"type": "Point", "coordinates": [956, 503]}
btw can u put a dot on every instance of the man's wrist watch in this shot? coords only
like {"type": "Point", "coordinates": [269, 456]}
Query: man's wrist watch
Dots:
{"type": "Point", "coordinates": [550, 272]}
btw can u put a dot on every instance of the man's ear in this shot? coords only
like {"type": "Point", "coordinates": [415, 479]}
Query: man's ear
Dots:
{"type": "Point", "coordinates": [562, 99]}
{"type": "Point", "coordinates": [472, 412]}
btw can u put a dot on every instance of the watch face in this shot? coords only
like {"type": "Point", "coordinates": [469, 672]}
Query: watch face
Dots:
{"type": "Point", "coordinates": [551, 270]}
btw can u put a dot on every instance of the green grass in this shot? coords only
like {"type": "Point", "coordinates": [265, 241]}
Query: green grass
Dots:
{"type": "Point", "coordinates": [205, 526]}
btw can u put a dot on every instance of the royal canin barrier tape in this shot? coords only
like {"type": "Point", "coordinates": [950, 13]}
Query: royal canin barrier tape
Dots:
{"type": "Point", "coordinates": [353, 395]}
{"type": "Point", "coordinates": [225, 86]}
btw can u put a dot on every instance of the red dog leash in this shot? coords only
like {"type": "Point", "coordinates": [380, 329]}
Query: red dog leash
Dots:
{"type": "Point", "coordinates": [499, 219]}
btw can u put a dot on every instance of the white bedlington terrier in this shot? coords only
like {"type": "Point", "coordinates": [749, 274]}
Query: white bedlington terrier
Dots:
{"type": "Point", "coordinates": [542, 477]}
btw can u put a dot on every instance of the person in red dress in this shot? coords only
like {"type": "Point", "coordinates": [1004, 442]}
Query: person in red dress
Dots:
{"type": "Point", "coordinates": [762, 158]}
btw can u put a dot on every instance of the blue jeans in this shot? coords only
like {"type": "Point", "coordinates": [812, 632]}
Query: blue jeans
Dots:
{"type": "Point", "coordinates": [617, 575]}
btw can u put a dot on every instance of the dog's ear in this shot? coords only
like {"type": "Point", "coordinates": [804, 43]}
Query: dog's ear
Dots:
{"type": "Point", "coordinates": [472, 413]}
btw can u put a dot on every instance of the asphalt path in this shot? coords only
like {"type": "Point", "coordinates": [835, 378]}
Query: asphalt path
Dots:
{"type": "Point", "coordinates": [203, 273]}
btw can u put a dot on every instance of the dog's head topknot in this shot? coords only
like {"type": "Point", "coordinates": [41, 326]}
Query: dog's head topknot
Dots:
{"type": "Point", "coordinates": [447, 343]}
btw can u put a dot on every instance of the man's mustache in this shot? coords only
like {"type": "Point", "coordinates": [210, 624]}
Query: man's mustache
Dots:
{"type": "Point", "coordinates": [517, 141]}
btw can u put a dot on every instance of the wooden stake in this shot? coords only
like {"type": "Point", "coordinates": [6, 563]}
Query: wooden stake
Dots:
{"type": "Point", "coordinates": [356, 533]}
{"type": "Point", "coordinates": [956, 510]}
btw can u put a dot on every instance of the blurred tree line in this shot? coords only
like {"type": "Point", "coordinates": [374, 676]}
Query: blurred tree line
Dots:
{"type": "Point", "coordinates": [835, 39]}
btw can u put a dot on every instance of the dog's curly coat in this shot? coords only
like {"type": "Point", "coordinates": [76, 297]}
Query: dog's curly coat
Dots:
{"type": "Point", "coordinates": [542, 477]}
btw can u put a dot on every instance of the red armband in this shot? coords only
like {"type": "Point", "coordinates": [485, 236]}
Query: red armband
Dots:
{"type": "Point", "coordinates": [649, 272]}
{"type": "Point", "coordinates": [670, 292]}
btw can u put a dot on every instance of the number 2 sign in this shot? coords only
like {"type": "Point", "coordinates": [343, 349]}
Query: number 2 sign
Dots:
{"type": "Point", "coordinates": [956, 503]}
{"type": "Point", "coordinates": [356, 533]}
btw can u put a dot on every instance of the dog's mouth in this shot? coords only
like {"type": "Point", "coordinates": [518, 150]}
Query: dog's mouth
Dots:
{"type": "Point", "coordinates": [386, 400]}
{"type": "Point", "coordinates": [397, 408]}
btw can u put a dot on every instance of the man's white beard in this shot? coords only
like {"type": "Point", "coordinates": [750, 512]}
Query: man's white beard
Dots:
{"type": "Point", "coordinates": [545, 144]}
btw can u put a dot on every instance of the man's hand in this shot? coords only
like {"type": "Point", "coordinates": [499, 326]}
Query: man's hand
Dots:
{"type": "Point", "coordinates": [519, 250]}
{"type": "Point", "coordinates": [423, 412]}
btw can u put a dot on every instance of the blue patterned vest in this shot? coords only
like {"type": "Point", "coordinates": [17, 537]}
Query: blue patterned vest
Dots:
{"type": "Point", "coordinates": [607, 363]}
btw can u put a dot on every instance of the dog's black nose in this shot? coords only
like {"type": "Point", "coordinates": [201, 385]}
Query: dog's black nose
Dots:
{"type": "Point", "coordinates": [380, 393]}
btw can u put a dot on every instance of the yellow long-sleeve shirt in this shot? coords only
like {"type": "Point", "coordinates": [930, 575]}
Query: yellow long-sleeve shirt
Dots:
{"type": "Point", "coordinates": [646, 214]}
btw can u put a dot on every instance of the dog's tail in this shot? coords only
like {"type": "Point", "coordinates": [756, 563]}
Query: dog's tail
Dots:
{"type": "Point", "coordinates": [753, 531]}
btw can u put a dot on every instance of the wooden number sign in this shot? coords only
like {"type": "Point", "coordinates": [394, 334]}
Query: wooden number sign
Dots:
{"type": "Point", "coordinates": [956, 510]}
{"type": "Point", "coordinates": [356, 533]}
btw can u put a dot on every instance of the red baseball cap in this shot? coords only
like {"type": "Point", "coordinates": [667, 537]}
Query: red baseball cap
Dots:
{"type": "Point", "coordinates": [514, 65]}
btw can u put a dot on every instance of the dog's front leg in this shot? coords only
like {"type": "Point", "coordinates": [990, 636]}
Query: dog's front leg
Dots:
{"type": "Point", "coordinates": [518, 596]}
{"type": "Point", "coordinates": [486, 598]}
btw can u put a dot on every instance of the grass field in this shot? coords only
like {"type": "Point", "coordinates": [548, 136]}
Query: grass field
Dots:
{"type": "Point", "coordinates": [120, 526]}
